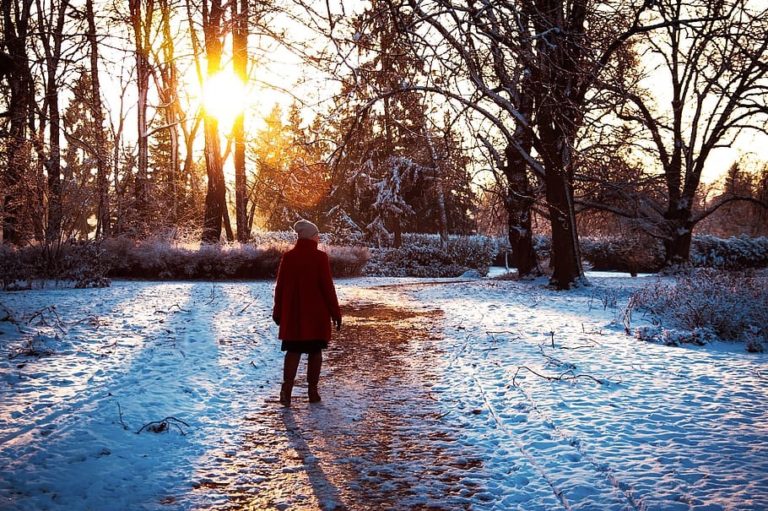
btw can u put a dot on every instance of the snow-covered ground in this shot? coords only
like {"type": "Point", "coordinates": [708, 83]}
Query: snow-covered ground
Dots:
{"type": "Point", "coordinates": [443, 394]}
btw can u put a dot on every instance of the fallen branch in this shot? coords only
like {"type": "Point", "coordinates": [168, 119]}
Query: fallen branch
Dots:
{"type": "Point", "coordinates": [164, 425]}
{"type": "Point", "coordinates": [564, 376]}
{"type": "Point", "coordinates": [555, 361]}
{"type": "Point", "coordinates": [44, 322]}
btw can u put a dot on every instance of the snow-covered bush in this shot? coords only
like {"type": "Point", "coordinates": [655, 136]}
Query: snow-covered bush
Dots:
{"type": "Point", "coordinates": [423, 255]}
{"type": "Point", "coordinates": [734, 253]}
{"type": "Point", "coordinates": [162, 259]}
{"type": "Point", "coordinates": [630, 254]}
{"type": "Point", "coordinates": [646, 255]}
{"type": "Point", "coordinates": [347, 261]}
{"type": "Point", "coordinates": [81, 264]}
{"type": "Point", "coordinates": [16, 269]}
{"type": "Point", "coordinates": [705, 304]}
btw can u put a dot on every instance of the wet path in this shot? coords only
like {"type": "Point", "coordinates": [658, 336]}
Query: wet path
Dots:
{"type": "Point", "coordinates": [376, 440]}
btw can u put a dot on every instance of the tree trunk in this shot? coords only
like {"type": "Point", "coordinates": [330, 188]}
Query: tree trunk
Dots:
{"type": "Point", "coordinates": [240, 62]}
{"type": "Point", "coordinates": [102, 184]}
{"type": "Point", "coordinates": [53, 159]}
{"type": "Point", "coordinates": [141, 31]}
{"type": "Point", "coordinates": [398, 233]}
{"type": "Point", "coordinates": [439, 189]}
{"type": "Point", "coordinates": [566, 259]}
{"type": "Point", "coordinates": [216, 195]}
{"type": "Point", "coordinates": [559, 115]}
{"type": "Point", "coordinates": [518, 203]}
{"type": "Point", "coordinates": [172, 110]}
{"type": "Point", "coordinates": [15, 24]}
{"type": "Point", "coordinates": [228, 225]}
{"type": "Point", "coordinates": [677, 244]}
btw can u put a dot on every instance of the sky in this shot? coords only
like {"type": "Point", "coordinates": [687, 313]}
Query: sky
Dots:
{"type": "Point", "coordinates": [279, 76]}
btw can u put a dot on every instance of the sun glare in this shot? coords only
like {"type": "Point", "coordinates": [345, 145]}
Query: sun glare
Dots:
{"type": "Point", "coordinates": [224, 97]}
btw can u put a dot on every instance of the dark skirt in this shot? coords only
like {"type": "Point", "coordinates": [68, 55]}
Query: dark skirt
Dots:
{"type": "Point", "coordinates": [304, 346]}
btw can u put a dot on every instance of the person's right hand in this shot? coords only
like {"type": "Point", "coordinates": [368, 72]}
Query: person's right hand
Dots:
{"type": "Point", "coordinates": [337, 323]}
{"type": "Point", "coordinates": [276, 320]}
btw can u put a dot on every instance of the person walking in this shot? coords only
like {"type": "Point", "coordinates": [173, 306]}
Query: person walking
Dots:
{"type": "Point", "coordinates": [305, 306]}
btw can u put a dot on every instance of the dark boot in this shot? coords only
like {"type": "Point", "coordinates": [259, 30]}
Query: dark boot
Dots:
{"type": "Point", "coordinates": [285, 394]}
{"type": "Point", "coordinates": [314, 364]}
{"type": "Point", "coordinates": [290, 365]}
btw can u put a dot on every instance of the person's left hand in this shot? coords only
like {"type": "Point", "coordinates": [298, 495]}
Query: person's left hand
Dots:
{"type": "Point", "coordinates": [337, 323]}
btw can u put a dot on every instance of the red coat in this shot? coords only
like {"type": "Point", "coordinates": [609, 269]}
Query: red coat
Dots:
{"type": "Point", "coordinates": [305, 299]}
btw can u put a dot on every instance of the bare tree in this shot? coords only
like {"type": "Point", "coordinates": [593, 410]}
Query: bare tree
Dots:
{"type": "Point", "coordinates": [167, 78]}
{"type": "Point", "coordinates": [716, 73]}
{"type": "Point", "coordinates": [141, 15]}
{"type": "Point", "coordinates": [240, 62]}
{"type": "Point", "coordinates": [16, 19]}
{"type": "Point", "coordinates": [51, 23]}
{"type": "Point", "coordinates": [215, 199]}
{"type": "Point", "coordinates": [102, 163]}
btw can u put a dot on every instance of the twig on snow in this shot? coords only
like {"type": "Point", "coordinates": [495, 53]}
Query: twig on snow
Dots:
{"type": "Point", "coordinates": [8, 315]}
{"type": "Point", "coordinates": [43, 321]}
{"type": "Point", "coordinates": [120, 416]}
{"type": "Point", "coordinates": [584, 330]}
{"type": "Point", "coordinates": [164, 425]}
{"type": "Point", "coordinates": [213, 295]}
{"type": "Point", "coordinates": [181, 309]}
{"type": "Point", "coordinates": [580, 347]}
{"type": "Point", "coordinates": [246, 306]}
{"type": "Point", "coordinates": [555, 361]}
{"type": "Point", "coordinates": [511, 332]}
{"type": "Point", "coordinates": [564, 376]}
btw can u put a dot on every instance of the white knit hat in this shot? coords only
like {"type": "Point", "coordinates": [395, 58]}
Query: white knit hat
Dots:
{"type": "Point", "coordinates": [305, 229]}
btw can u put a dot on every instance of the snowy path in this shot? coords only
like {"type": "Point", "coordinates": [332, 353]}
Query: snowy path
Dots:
{"type": "Point", "coordinates": [430, 402]}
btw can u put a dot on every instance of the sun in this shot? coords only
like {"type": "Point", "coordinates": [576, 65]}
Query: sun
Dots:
{"type": "Point", "coordinates": [224, 97]}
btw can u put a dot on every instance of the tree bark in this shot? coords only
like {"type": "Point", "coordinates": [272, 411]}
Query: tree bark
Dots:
{"type": "Point", "coordinates": [559, 115]}
{"type": "Point", "coordinates": [15, 25]}
{"type": "Point", "coordinates": [102, 165]}
{"type": "Point", "coordinates": [518, 203]}
{"type": "Point", "coordinates": [172, 110]}
{"type": "Point", "coordinates": [54, 34]}
{"type": "Point", "coordinates": [142, 26]}
{"type": "Point", "coordinates": [216, 195]}
{"type": "Point", "coordinates": [677, 244]}
{"type": "Point", "coordinates": [439, 189]}
{"type": "Point", "coordinates": [240, 62]}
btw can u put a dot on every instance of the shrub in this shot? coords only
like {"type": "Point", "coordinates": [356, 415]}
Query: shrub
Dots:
{"type": "Point", "coordinates": [83, 264]}
{"type": "Point", "coordinates": [643, 254]}
{"type": "Point", "coordinates": [734, 253]}
{"type": "Point", "coordinates": [423, 255]}
{"type": "Point", "coordinates": [347, 261]}
{"type": "Point", "coordinates": [707, 303]}
{"type": "Point", "coordinates": [630, 254]}
{"type": "Point", "coordinates": [161, 259]}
